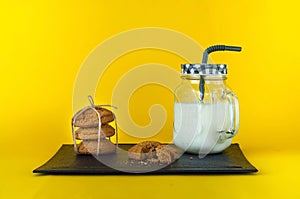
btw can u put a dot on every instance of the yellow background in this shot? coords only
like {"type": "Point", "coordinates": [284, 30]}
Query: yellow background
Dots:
{"type": "Point", "coordinates": [43, 44]}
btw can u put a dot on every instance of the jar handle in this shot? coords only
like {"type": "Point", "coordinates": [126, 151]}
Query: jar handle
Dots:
{"type": "Point", "coordinates": [234, 114]}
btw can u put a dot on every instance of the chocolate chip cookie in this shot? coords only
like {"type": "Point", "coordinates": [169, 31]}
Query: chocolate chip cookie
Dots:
{"type": "Point", "coordinates": [154, 152]}
{"type": "Point", "coordinates": [90, 147]}
{"type": "Point", "coordinates": [89, 117]}
{"type": "Point", "coordinates": [92, 133]}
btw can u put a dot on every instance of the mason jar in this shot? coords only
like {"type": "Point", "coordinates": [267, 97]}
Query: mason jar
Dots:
{"type": "Point", "coordinates": [206, 111]}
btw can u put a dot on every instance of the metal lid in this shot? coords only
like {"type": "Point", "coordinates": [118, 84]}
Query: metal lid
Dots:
{"type": "Point", "coordinates": [204, 69]}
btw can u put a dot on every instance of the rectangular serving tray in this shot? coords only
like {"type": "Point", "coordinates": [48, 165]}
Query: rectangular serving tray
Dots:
{"type": "Point", "coordinates": [66, 161]}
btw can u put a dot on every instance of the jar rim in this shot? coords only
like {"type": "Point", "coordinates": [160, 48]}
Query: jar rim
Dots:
{"type": "Point", "coordinates": [206, 77]}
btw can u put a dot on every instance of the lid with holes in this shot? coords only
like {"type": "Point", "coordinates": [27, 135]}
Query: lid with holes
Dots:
{"type": "Point", "coordinates": [204, 69]}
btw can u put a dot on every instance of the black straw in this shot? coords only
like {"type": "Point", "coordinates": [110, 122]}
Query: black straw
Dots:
{"type": "Point", "coordinates": [218, 48]}
{"type": "Point", "coordinates": [205, 57]}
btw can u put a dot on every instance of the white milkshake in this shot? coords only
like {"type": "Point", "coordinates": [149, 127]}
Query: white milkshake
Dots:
{"type": "Point", "coordinates": [200, 128]}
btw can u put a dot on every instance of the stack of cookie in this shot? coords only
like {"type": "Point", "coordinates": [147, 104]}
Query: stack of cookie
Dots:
{"type": "Point", "coordinates": [87, 121]}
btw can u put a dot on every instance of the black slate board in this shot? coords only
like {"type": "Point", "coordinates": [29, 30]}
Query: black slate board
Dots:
{"type": "Point", "coordinates": [66, 161]}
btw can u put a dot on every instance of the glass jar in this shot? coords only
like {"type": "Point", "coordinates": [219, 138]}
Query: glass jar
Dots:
{"type": "Point", "coordinates": [206, 111]}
